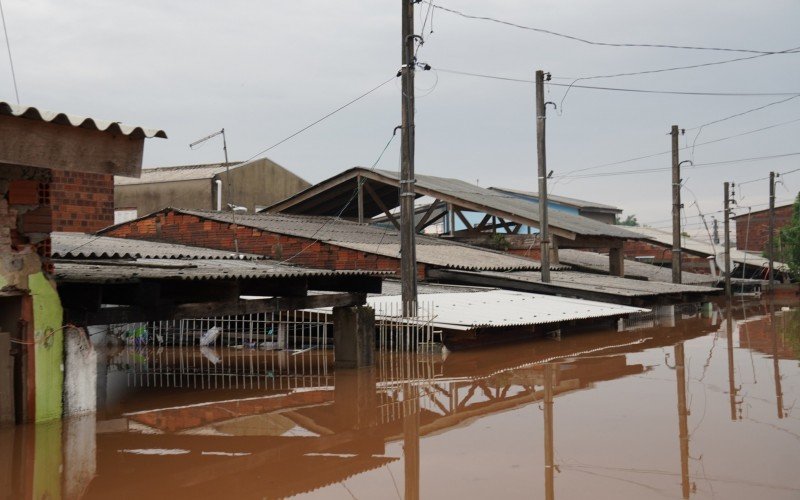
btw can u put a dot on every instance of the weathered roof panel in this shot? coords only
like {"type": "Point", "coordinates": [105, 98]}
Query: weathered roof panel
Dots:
{"type": "Point", "coordinates": [634, 269]}
{"type": "Point", "coordinates": [595, 283]}
{"type": "Point", "coordinates": [31, 113]}
{"type": "Point", "coordinates": [373, 239]}
{"type": "Point", "coordinates": [116, 271]}
{"type": "Point", "coordinates": [88, 246]}
{"type": "Point", "coordinates": [494, 200]}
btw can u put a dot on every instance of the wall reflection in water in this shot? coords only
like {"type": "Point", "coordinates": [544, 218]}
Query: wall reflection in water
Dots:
{"type": "Point", "coordinates": [191, 423]}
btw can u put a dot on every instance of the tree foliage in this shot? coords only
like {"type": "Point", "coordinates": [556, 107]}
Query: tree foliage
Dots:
{"type": "Point", "coordinates": [790, 241]}
{"type": "Point", "coordinates": [628, 221]}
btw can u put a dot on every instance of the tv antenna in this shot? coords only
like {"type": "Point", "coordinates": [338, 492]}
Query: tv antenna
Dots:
{"type": "Point", "coordinates": [231, 205]}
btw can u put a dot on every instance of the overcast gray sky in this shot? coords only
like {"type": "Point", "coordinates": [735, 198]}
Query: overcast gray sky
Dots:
{"type": "Point", "coordinates": [264, 69]}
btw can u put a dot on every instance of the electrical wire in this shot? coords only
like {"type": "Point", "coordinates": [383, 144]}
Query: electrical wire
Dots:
{"type": "Point", "coordinates": [8, 47]}
{"type": "Point", "coordinates": [620, 89]}
{"type": "Point", "coordinates": [587, 41]}
{"type": "Point", "coordinates": [315, 122]}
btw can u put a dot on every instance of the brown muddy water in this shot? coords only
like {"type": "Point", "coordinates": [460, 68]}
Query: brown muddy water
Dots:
{"type": "Point", "coordinates": [684, 408]}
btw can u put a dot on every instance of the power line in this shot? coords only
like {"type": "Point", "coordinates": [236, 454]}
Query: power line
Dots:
{"type": "Point", "coordinates": [653, 155]}
{"type": "Point", "coordinates": [592, 42]}
{"type": "Point", "coordinates": [620, 89]}
{"type": "Point", "coordinates": [737, 115]}
{"type": "Point", "coordinates": [8, 47]}
{"type": "Point", "coordinates": [695, 166]}
{"type": "Point", "coordinates": [325, 117]}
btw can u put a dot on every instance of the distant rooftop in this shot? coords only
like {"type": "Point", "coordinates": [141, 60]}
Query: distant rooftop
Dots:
{"type": "Point", "coordinates": [572, 202]}
{"type": "Point", "coordinates": [178, 173]}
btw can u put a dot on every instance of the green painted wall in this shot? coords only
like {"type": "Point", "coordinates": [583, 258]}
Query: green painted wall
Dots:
{"type": "Point", "coordinates": [49, 349]}
{"type": "Point", "coordinates": [47, 465]}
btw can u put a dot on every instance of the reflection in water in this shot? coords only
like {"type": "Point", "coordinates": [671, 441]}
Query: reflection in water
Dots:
{"type": "Point", "coordinates": [227, 423]}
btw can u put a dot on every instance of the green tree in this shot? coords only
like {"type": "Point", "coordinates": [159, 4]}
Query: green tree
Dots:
{"type": "Point", "coordinates": [628, 221]}
{"type": "Point", "coordinates": [790, 241]}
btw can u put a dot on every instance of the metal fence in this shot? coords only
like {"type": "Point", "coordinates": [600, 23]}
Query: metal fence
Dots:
{"type": "Point", "coordinates": [300, 330]}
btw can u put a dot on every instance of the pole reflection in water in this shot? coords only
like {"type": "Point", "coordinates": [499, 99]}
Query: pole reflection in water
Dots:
{"type": "Point", "coordinates": [411, 461]}
{"type": "Point", "coordinates": [776, 369]}
{"type": "Point", "coordinates": [731, 375]}
{"type": "Point", "coordinates": [683, 415]}
{"type": "Point", "coordinates": [549, 467]}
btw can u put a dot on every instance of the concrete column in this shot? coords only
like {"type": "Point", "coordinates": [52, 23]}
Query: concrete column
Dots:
{"type": "Point", "coordinates": [554, 250]}
{"type": "Point", "coordinates": [616, 261]}
{"type": "Point", "coordinates": [80, 373]}
{"type": "Point", "coordinates": [354, 336]}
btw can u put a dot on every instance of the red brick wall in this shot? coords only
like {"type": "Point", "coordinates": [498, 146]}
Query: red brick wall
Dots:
{"type": "Point", "coordinates": [81, 202]}
{"type": "Point", "coordinates": [754, 238]}
{"type": "Point", "coordinates": [191, 230]}
{"type": "Point", "coordinates": [691, 263]}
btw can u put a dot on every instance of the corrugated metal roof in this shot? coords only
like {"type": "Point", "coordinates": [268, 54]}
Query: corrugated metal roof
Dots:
{"type": "Point", "coordinates": [373, 239]}
{"type": "Point", "coordinates": [664, 238]}
{"type": "Point", "coordinates": [461, 193]}
{"type": "Point", "coordinates": [634, 269]}
{"type": "Point", "coordinates": [88, 246]}
{"type": "Point", "coordinates": [503, 308]}
{"type": "Point", "coordinates": [179, 173]}
{"type": "Point", "coordinates": [115, 271]}
{"type": "Point", "coordinates": [609, 285]}
{"type": "Point", "coordinates": [506, 203]}
{"type": "Point", "coordinates": [563, 200]}
{"type": "Point", "coordinates": [31, 113]}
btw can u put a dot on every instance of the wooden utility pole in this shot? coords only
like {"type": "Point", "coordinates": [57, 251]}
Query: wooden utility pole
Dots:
{"type": "Point", "coordinates": [408, 250]}
{"type": "Point", "coordinates": [676, 208]}
{"type": "Point", "coordinates": [771, 241]}
{"type": "Point", "coordinates": [726, 227]}
{"type": "Point", "coordinates": [544, 230]}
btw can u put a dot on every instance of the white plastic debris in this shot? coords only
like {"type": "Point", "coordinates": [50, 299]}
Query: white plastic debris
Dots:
{"type": "Point", "coordinates": [210, 336]}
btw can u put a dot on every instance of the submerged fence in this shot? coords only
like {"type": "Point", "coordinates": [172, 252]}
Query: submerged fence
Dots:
{"type": "Point", "coordinates": [300, 330]}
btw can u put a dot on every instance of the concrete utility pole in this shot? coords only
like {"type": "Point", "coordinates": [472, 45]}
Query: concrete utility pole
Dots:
{"type": "Point", "coordinates": [716, 230]}
{"type": "Point", "coordinates": [727, 230]}
{"type": "Point", "coordinates": [544, 230]}
{"type": "Point", "coordinates": [771, 241]}
{"type": "Point", "coordinates": [676, 208]}
{"type": "Point", "coordinates": [408, 250]}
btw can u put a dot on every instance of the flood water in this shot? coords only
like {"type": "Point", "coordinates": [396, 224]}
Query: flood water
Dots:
{"type": "Point", "coordinates": [702, 404]}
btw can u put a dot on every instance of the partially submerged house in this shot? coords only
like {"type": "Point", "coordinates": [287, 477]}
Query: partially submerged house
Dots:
{"type": "Point", "coordinates": [700, 255]}
{"type": "Point", "coordinates": [51, 167]}
{"type": "Point", "coordinates": [252, 185]}
{"type": "Point", "coordinates": [361, 194]}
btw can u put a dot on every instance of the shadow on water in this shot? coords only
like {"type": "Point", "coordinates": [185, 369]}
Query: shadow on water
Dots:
{"type": "Point", "coordinates": [600, 412]}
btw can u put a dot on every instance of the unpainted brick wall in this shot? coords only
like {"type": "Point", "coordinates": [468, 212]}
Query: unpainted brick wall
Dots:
{"type": "Point", "coordinates": [191, 230]}
{"type": "Point", "coordinates": [81, 202]}
{"type": "Point", "coordinates": [691, 263]}
{"type": "Point", "coordinates": [755, 236]}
